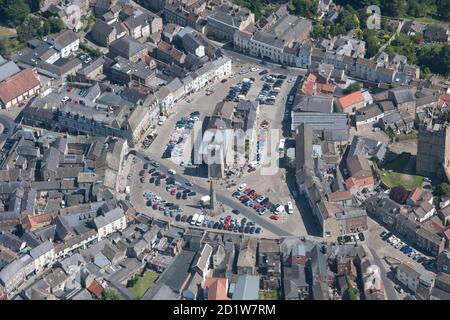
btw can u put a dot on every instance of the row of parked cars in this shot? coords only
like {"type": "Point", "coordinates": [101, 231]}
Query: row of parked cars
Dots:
{"type": "Point", "coordinates": [260, 203]}
{"type": "Point", "coordinates": [182, 131]}
{"type": "Point", "coordinates": [351, 238]}
{"type": "Point", "coordinates": [240, 90]}
{"type": "Point", "coordinates": [227, 223]}
{"type": "Point", "coordinates": [270, 89]}
{"type": "Point", "coordinates": [158, 203]}
{"type": "Point", "coordinates": [406, 249]}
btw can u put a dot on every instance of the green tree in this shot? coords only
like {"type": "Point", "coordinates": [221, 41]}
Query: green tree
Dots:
{"type": "Point", "coordinates": [355, 86]}
{"type": "Point", "coordinates": [53, 25]}
{"type": "Point", "coordinates": [111, 294]}
{"type": "Point", "coordinates": [306, 8]}
{"type": "Point", "coordinates": [372, 46]}
{"type": "Point", "coordinates": [443, 8]}
{"type": "Point", "coordinates": [13, 12]}
{"type": "Point", "coordinates": [31, 28]}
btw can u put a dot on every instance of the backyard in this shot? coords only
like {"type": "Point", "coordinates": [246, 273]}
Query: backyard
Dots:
{"type": "Point", "coordinates": [400, 172]}
{"type": "Point", "coordinates": [138, 285]}
{"type": "Point", "coordinates": [268, 295]}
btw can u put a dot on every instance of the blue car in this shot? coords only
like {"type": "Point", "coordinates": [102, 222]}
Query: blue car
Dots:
{"type": "Point", "coordinates": [247, 229]}
{"type": "Point", "coordinates": [258, 230]}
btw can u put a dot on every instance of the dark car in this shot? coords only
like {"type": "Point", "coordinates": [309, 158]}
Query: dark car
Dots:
{"type": "Point", "coordinates": [152, 179]}
{"type": "Point", "coordinates": [157, 182]}
{"type": "Point", "coordinates": [146, 165]}
{"type": "Point", "coordinates": [347, 239]}
{"type": "Point", "coordinates": [223, 80]}
{"type": "Point", "coordinates": [221, 225]}
{"type": "Point", "coordinates": [178, 217]}
{"type": "Point", "coordinates": [178, 196]}
{"type": "Point", "coordinates": [210, 224]}
{"type": "Point", "coordinates": [185, 191]}
{"type": "Point", "coordinates": [189, 184]}
{"type": "Point", "coordinates": [168, 204]}
{"type": "Point", "coordinates": [184, 218]}
{"type": "Point", "coordinates": [151, 170]}
{"type": "Point", "coordinates": [235, 211]}
{"type": "Point", "coordinates": [216, 225]}
{"type": "Point", "coordinates": [361, 236]}
{"type": "Point", "coordinates": [155, 206]}
{"type": "Point", "coordinates": [184, 196]}
{"type": "Point", "coordinates": [263, 72]}
{"type": "Point", "coordinates": [247, 229]}
{"type": "Point", "coordinates": [149, 203]}
{"type": "Point", "coordinates": [280, 76]}
{"type": "Point", "coordinates": [252, 230]}
{"type": "Point", "coordinates": [191, 194]}
{"type": "Point", "coordinates": [189, 219]}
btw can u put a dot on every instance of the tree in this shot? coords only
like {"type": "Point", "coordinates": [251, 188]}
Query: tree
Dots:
{"type": "Point", "coordinates": [306, 8]}
{"type": "Point", "coordinates": [355, 86]}
{"type": "Point", "coordinates": [53, 25]}
{"type": "Point", "coordinates": [443, 8]}
{"type": "Point", "coordinates": [31, 28]}
{"type": "Point", "coordinates": [372, 46]}
{"type": "Point", "coordinates": [13, 12]}
{"type": "Point", "coordinates": [111, 294]}
{"type": "Point", "coordinates": [394, 8]}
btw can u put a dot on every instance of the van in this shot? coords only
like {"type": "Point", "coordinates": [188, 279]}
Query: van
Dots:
{"type": "Point", "coordinates": [279, 209]}
{"type": "Point", "coordinates": [200, 220]}
{"type": "Point", "coordinates": [290, 207]}
{"type": "Point", "coordinates": [194, 219]}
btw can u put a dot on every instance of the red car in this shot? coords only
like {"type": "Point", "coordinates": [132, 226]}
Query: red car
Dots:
{"type": "Point", "coordinates": [173, 191]}
{"type": "Point", "coordinates": [225, 227]}
{"type": "Point", "coordinates": [254, 195]}
{"type": "Point", "coordinates": [247, 190]}
{"type": "Point", "coordinates": [251, 169]}
{"type": "Point", "coordinates": [141, 173]}
{"type": "Point", "coordinates": [274, 217]}
{"type": "Point", "coordinates": [256, 206]}
{"type": "Point", "coordinates": [243, 198]}
{"type": "Point", "coordinates": [155, 206]}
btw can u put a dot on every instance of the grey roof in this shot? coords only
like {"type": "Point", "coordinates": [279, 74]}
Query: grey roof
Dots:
{"type": "Point", "coordinates": [368, 112]}
{"type": "Point", "coordinates": [247, 288]}
{"type": "Point", "coordinates": [11, 241]}
{"type": "Point", "coordinates": [8, 69]}
{"type": "Point", "coordinates": [127, 46]}
{"type": "Point", "coordinates": [409, 270]}
{"type": "Point", "coordinates": [314, 104]}
{"type": "Point", "coordinates": [268, 39]}
{"type": "Point", "coordinates": [41, 249]}
{"type": "Point", "coordinates": [177, 273]}
{"type": "Point", "coordinates": [293, 279]}
{"type": "Point", "coordinates": [402, 95]}
{"type": "Point", "coordinates": [65, 38]}
{"type": "Point", "coordinates": [367, 147]}
{"type": "Point", "coordinates": [102, 27]}
{"type": "Point", "coordinates": [83, 294]}
{"type": "Point", "coordinates": [108, 218]}
{"type": "Point", "coordinates": [11, 269]}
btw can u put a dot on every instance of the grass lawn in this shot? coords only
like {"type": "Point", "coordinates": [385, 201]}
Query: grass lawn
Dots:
{"type": "Point", "coordinates": [143, 284]}
{"type": "Point", "coordinates": [393, 179]}
{"type": "Point", "coordinates": [268, 295]}
{"type": "Point", "coordinates": [399, 163]}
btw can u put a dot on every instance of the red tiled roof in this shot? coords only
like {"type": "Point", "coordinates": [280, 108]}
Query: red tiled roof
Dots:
{"type": "Point", "coordinates": [164, 46]}
{"type": "Point", "coordinates": [415, 195]}
{"type": "Point", "coordinates": [95, 288]}
{"type": "Point", "coordinates": [351, 99]}
{"type": "Point", "coordinates": [217, 288]}
{"type": "Point", "coordinates": [18, 84]}
{"type": "Point", "coordinates": [360, 182]}
{"type": "Point", "coordinates": [339, 195]}
{"type": "Point", "coordinates": [31, 222]}
{"type": "Point", "coordinates": [443, 99]}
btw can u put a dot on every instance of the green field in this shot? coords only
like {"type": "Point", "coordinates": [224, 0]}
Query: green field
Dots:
{"type": "Point", "coordinates": [143, 284]}
{"type": "Point", "coordinates": [393, 179]}
{"type": "Point", "coordinates": [268, 295]}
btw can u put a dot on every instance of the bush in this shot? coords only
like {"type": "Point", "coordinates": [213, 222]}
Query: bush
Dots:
{"type": "Point", "coordinates": [111, 294]}
{"type": "Point", "coordinates": [354, 87]}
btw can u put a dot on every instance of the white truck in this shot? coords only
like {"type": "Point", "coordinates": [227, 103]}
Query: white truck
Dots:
{"type": "Point", "coordinates": [200, 220]}
{"type": "Point", "coordinates": [194, 219]}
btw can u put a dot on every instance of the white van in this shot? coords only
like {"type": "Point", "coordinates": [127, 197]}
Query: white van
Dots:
{"type": "Point", "coordinates": [290, 207]}
{"type": "Point", "coordinates": [194, 219]}
{"type": "Point", "coordinates": [200, 220]}
{"type": "Point", "coordinates": [279, 209]}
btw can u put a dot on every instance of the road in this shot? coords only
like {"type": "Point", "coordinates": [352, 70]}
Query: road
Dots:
{"type": "Point", "coordinates": [226, 200]}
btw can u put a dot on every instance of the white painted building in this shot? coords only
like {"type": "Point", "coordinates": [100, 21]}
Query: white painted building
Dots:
{"type": "Point", "coordinates": [112, 221]}
{"type": "Point", "coordinates": [43, 255]}
{"type": "Point", "coordinates": [408, 276]}
{"type": "Point", "coordinates": [65, 42]}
